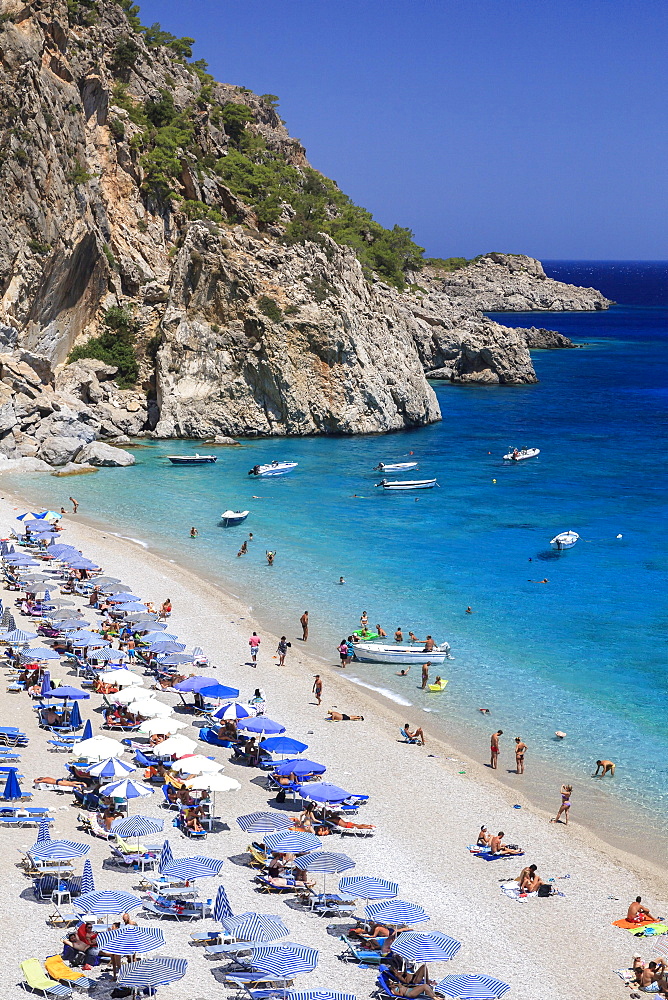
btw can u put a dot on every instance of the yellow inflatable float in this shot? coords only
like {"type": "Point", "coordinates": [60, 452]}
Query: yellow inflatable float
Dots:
{"type": "Point", "coordinates": [438, 686]}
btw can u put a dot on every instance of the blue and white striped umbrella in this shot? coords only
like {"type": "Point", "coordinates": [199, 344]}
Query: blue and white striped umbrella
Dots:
{"type": "Point", "coordinates": [87, 880]}
{"type": "Point", "coordinates": [324, 861]}
{"type": "Point", "coordinates": [112, 767]}
{"type": "Point", "coordinates": [417, 947]}
{"type": "Point", "coordinates": [153, 972]}
{"type": "Point", "coordinates": [221, 908]}
{"type": "Point", "coordinates": [166, 646]}
{"type": "Point", "coordinates": [137, 826]}
{"type": "Point", "coordinates": [264, 822]}
{"type": "Point", "coordinates": [127, 789]}
{"type": "Point", "coordinates": [368, 887]}
{"type": "Point", "coordinates": [255, 927]}
{"type": "Point", "coordinates": [292, 842]}
{"type": "Point", "coordinates": [39, 654]}
{"type": "Point", "coordinates": [101, 903]}
{"type": "Point", "coordinates": [231, 711]}
{"type": "Point", "coordinates": [283, 961]}
{"type": "Point", "coordinates": [187, 869]}
{"type": "Point", "coordinates": [318, 995]}
{"type": "Point", "coordinates": [396, 911]}
{"type": "Point", "coordinates": [166, 855]}
{"type": "Point", "coordinates": [58, 850]}
{"type": "Point", "coordinates": [470, 987]}
{"type": "Point", "coordinates": [17, 637]}
{"type": "Point", "coordinates": [43, 834]}
{"type": "Point", "coordinates": [130, 940]}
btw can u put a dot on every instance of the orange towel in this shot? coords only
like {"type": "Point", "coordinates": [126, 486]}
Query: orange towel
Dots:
{"type": "Point", "coordinates": [630, 925]}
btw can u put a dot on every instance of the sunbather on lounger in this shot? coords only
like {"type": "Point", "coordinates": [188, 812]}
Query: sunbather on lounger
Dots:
{"type": "Point", "coordinates": [498, 847]}
{"type": "Point", "coordinates": [336, 820]}
{"type": "Point", "coordinates": [279, 881]}
{"type": "Point", "coordinates": [192, 820]}
{"type": "Point", "coordinates": [378, 931]}
{"type": "Point", "coordinates": [417, 735]}
{"type": "Point", "coordinates": [302, 879]}
{"type": "Point", "coordinates": [399, 990]}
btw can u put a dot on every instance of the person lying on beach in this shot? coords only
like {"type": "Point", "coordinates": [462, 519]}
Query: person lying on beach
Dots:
{"type": "Point", "coordinates": [74, 950]}
{"type": "Point", "coordinates": [400, 990]}
{"type": "Point", "coordinates": [484, 838]}
{"type": "Point", "coordinates": [377, 933]}
{"type": "Point", "coordinates": [301, 878]}
{"type": "Point", "coordinates": [417, 735]}
{"type": "Point", "coordinates": [334, 716]}
{"type": "Point", "coordinates": [59, 783]}
{"type": "Point", "coordinates": [496, 845]}
{"type": "Point", "coordinates": [337, 820]}
{"type": "Point", "coordinates": [228, 731]}
{"type": "Point", "coordinates": [639, 914]}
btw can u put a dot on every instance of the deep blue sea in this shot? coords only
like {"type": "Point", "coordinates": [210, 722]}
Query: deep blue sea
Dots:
{"type": "Point", "coordinates": [584, 652]}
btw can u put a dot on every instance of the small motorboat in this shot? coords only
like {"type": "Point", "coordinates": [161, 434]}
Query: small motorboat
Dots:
{"type": "Point", "coordinates": [518, 455]}
{"type": "Point", "coordinates": [396, 467]}
{"type": "Point", "coordinates": [408, 484]}
{"type": "Point", "coordinates": [565, 540]}
{"type": "Point", "coordinates": [438, 687]}
{"type": "Point", "coordinates": [273, 469]}
{"type": "Point", "coordinates": [195, 459]}
{"type": "Point", "coordinates": [376, 652]}
{"type": "Point", "coordinates": [232, 517]}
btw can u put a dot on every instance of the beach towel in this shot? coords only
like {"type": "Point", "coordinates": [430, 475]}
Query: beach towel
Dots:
{"type": "Point", "coordinates": [512, 890]}
{"type": "Point", "coordinates": [626, 975]}
{"type": "Point", "coordinates": [630, 925]}
{"type": "Point", "coordinates": [650, 930]}
{"type": "Point", "coordinates": [486, 856]}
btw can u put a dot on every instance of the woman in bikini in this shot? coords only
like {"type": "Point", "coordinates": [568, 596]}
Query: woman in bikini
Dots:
{"type": "Point", "coordinates": [565, 806]}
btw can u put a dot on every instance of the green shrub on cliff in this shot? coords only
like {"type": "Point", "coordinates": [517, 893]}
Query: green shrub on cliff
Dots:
{"type": "Point", "coordinates": [114, 346]}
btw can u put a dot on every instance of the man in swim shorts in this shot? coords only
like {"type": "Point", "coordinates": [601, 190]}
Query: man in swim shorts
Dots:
{"type": "Point", "coordinates": [605, 766]}
{"type": "Point", "coordinates": [494, 748]}
{"type": "Point", "coordinates": [639, 914]}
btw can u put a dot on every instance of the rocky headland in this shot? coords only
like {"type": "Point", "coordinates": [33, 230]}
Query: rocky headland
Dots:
{"type": "Point", "coordinates": [172, 266]}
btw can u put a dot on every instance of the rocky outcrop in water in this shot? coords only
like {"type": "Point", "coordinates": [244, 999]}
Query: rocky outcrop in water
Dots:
{"type": "Point", "coordinates": [546, 340]}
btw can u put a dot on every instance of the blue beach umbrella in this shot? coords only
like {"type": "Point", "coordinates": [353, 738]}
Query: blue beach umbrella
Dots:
{"type": "Point", "coordinates": [130, 940]}
{"type": "Point", "coordinates": [471, 987]}
{"type": "Point", "coordinates": [122, 598]}
{"type": "Point", "coordinates": [433, 947]}
{"type": "Point", "coordinates": [12, 788]}
{"type": "Point", "coordinates": [17, 637]}
{"type": "Point", "coordinates": [264, 822]}
{"type": "Point", "coordinates": [166, 646]}
{"type": "Point", "coordinates": [368, 887]}
{"type": "Point", "coordinates": [69, 693]}
{"type": "Point", "coordinates": [322, 791]}
{"type": "Point", "coordinates": [45, 689]}
{"type": "Point", "coordinates": [153, 972]}
{"type": "Point", "coordinates": [43, 834]}
{"type": "Point", "coordinates": [283, 744]}
{"type": "Point", "coordinates": [75, 717]}
{"type": "Point", "coordinates": [255, 927]}
{"type": "Point", "coordinates": [231, 711]}
{"type": "Point", "coordinates": [221, 908]}
{"type": "Point", "coordinates": [299, 767]}
{"type": "Point", "coordinates": [127, 789]}
{"type": "Point", "coordinates": [87, 880]}
{"type": "Point", "coordinates": [396, 911]}
{"type": "Point", "coordinates": [195, 683]}
{"type": "Point", "coordinates": [292, 842]}
{"type": "Point", "coordinates": [261, 724]}
{"type": "Point", "coordinates": [98, 904]}
{"type": "Point", "coordinates": [130, 606]}
{"type": "Point", "coordinates": [72, 625]}
{"type": "Point", "coordinates": [187, 869]}
{"type": "Point", "coordinates": [175, 659]}
{"type": "Point", "coordinates": [58, 850]}
{"type": "Point", "coordinates": [112, 767]}
{"type": "Point", "coordinates": [137, 826]}
{"type": "Point", "coordinates": [88, 731]}
{"type": "Point", "coordinates": [283, 961]}
{"type": "Point", "coordinates": [166, 856]}
{"type": "Point", "coordinates": [41, 653]}
{"type": "Point", "coordinates": [328, 862]}
{"type": "Point", "coordinates": [222, 691]}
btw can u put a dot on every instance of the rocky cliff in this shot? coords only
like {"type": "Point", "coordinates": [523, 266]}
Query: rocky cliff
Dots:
{"type": "Point", "coordinates": [169, 227]}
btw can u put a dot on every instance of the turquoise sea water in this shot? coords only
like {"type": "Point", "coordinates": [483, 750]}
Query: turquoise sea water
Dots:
{"type": "Point", "coordinates": [584, 653]}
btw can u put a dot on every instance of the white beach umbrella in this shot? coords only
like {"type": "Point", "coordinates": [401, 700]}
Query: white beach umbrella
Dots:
{"type": "Point", "coordinates": [215, 783]}
{"type": "Point", "coordinates": [175, 745]}
{"type": "Point", "coordinates": [149, 708]}
{"type": "Point", "coordinates": [98, 748]}
{"type": "Point", "coordinates": [161, 727]}
{"type": "Point", "coordinates": [196, 764]}
{"type": "Point", "coordinates": [122, 678]}
{"type": "Point", "coordinates": [132, 693]}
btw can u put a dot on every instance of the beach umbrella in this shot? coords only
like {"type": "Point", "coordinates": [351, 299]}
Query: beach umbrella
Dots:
{"type": "Point", "coordinates": [12, 788]}
{"type": "Point", "coordinates": [327, 862]}
{"type": "Point", "coordinates": [261, 724]}
{"type": "Point", "coordinates": [137, 826]}
{"type": "Point", "coordinates": [195, 683]}
{"type": "Point", "coordinates": [215, 783]}
{"type": "Point", "coordinates": [98, 904]}
{"type": "Point", "coordinates": [322, 791]}
{"type": "Point", "coordinates": [132, 694]}
{"type": "Point", "coordinates": [166, 646]}
{"type": "Point", "coordinates": [161, 727]}
{"type": "Point", "coordinates": [122, 678]}
{"type": "Point", "coordinates": [149, 708]}
{"type": "Point", "coordinates": [396, 912]}
{"type": "Point", "coordinates": [71, 624]}
{"type": "Point", "coordinates": [283, 745]}
{"type": "Point", "coordinates": [112, 767]}
{"type": "Point", "coordinates": [174, 660]}
{"type": "Point", "coordinates": [153, 634]}
{"type": "Point", "coordinates": [110, 585]}
{"type": "Point", "coordinates": [61, 603]}
{"type": "Point", "coordinates": [470, 987]}
{"type": "Point", "coordinates": [433, 947]}
{"type": "Point", "coordinates": [166, 856]}
{"type": "Point", "coordinates": [98, 748]}
{"type": "Point", "coordinates": [43, 834]}
{"type": "Point", "coordinates": [142, 619]}
{"type": "Point", "coordinates": [41, 654]}
{"type": "Point", "coordinates": [368, 887]}
{"type": "Point", "coordinates": [122, 597]}
{"type": "Point", "coordinates": [231, 711]}
{"type": "Point", "coordinates": [175, 745]}
{"type": "Point", "coordinates": [255, 927]}
{"type": "Point", "coordinates": [88, 731]}
{"type": "Point", "coordinates": [283, 961]}
{"type": "Point", "coordinates": [17, 637]}
{"type": "Point", "coordinates": [264, 822]}
{"type": "Point", "coordinates": [75, 717]}
{"type": "Point", "coordinates": [45, 689]}
{"type": "Point", "coordinates": [299, 767]}
{"type": "Point", "coordinates": [87, 880]}
{"type": "Point", "coordinates": [69, 693]}
{"type": "Point", "coordinates": [221, 907]}
{"type": "Point", "coordinates": [86, 638]}
{"type": "Point", "coordinates": [151, 972]}
{"type": "Point", "coordinates": [7, 620]}
{"type": "Point", "coordinates": [127, 789]}
{"type": "Point", "coordinates": [317, 995]}
{"type": "Point", "coordinates": [130, 940]}
{"type": "Point", "coordinates": [187, 869]}
{"type": "Point", "coordinates": [196, 764]}
{"type": "Point", "coordinates": [131, 606]}
{"type": "Point", "coordinates": [58, 850]}
{"type": "Point", "coordinates": [222, 691]}
{"type": "Point", "coordinates": [292, 842]}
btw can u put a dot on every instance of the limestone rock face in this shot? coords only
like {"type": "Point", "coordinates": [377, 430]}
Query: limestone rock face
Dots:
{"type": "Point", "coordinates": [546, 340]}
{"type": "Point", "coordinates": [59, 450]}
{"type": "Point", "coordinates": [99, 453]}
{"type": "Point", "coordinates": [25, 465]}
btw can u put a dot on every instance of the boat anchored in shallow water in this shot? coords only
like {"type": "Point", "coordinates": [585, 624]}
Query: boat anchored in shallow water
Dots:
{"type": "Point", "coordinates": [232, 517]}
{"type": "Point", "coordinates": [195, 459]}
{"type": "Point", "coordinates": [519, 455]}
{"type": "Point", "coordinates": [565, 540]}
{"type": "Point", "coordinates": [396, 467]}
{"type": "Point", "coordinates": [376, 652]}
{"type": "Point", "coordinates": [408, 484]}
{"type": "Point", "coordinates": [273, 469]}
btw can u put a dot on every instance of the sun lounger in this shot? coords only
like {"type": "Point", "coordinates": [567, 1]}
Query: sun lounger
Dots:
{"type": "Point", "coordinates": [57, 969]}
{"type": "Point", "coordinates": [330, 904]}
{"type": "Point", "coordinates": [258, 857]}
{"type": "Point", "coordinates": [205, 937]}
{"type": "Point", "coordinates": [34, 978]}
{"type": "Point", "coordinates": [410, 739]}
{"type": "Point", "coordinates": [265, 885]}
{"type": "Point", "coordinates": [383, 984]}
{"type": "Point", "coordinates": [351, 953]}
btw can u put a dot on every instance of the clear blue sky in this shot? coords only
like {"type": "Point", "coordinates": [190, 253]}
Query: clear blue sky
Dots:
{"type": "Point", "coordinates": [534, 126]}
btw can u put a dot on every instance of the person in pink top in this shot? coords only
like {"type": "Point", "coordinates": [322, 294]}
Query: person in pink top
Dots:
{"type": "Point", "coordinates": [254, 642]}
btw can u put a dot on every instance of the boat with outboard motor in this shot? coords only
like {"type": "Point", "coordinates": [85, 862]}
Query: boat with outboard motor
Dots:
{"type": "Point", "coordinates": [520, 454]}
{"type": "Point", "coordinates": [395, 467]}
{"type": "Point", "coordinates": [232, 517]}
{"type": "Point", "coordinates": [564, 540]}
{"type": "Point", "coordinates": [407, 484]}
{"type": "Point", "coordinates": [377, 652]}
{"type": "Point", "coordinates": [195, 459]}
{"type": "Point", "coordinates": [272, 469]}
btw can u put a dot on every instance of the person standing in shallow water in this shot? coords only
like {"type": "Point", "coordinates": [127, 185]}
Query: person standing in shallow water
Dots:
{"type": "Point", "coordinates": [304, 624]}
{"type": "Point", "coordinates": [494, 748]}
{"type": "Point", "coordinates": [520, 750]}
{"type": "Point", "coordinates": [565, 807]}
{"type": "Point", "coordinates": [425, 674]}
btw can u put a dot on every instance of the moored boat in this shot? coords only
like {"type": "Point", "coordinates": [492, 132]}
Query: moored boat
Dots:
{"type": "Point", "coordinates": [272, 469]}
{"type": "Point", "coordinates": [395, 467]}
{"type": "Point", "coordinates": [376, 652]}
{"type": "Point", "coordinates": [195, 459]}
{"type": "Point", "coordinates": [407, 484]}
{"type": "Point", "coordinates": [564, 540]}
{"type": "Point", "coordinates": [232, 517]}
{"type": "Point", "coordinates": [520, 454]}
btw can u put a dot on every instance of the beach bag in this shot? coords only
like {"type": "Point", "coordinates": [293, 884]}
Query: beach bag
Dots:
{"type": "Point", "coordinates": [280, 795]}
{"type": "Point", "coordinates": [544, 890]}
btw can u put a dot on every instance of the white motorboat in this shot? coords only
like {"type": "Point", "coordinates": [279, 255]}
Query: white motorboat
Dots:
{"type": "Point", "coordinates": [396, 467]}
{"type": "Point", "coordinates": [376, 652]}
{"type": "Point", "coordinates": [520, 454]}
{"type": "Point", "coordinates": [565, 540]}
{"type": "Point", "coordinates": [272, 469]}
{"type": "Point", "coordinates": [232, 517]}
{"type": "Point", "coordinates": [408, 484]}
{"type": "Point", "coordinates": [195, 459]}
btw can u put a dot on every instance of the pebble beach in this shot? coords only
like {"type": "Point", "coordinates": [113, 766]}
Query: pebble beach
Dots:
{"type": "Point", "coordinates": [426, 802]}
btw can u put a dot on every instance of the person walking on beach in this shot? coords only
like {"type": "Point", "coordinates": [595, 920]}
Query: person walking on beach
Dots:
{"type": "Point", "coordinates": [282, 649]}
{"type": "Point", "coordinates": [425, 674]}
{"type": "Point", "coordinates": [317, 688]}
{"type": "Point", "coordinates": [605, 767]}
{"type": "Point", "coordinates": [75, 505]}
{"type": "Point", "coordinates": [254, 642]}
{"type": "Point", "coordinates": [565, 807]}
{"type": "Point", "coordinates": [520, 750]}
{"type": "Point", "coordinates": [494, 748]}
{"type": "Point", "coordinates": [304, 624]}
